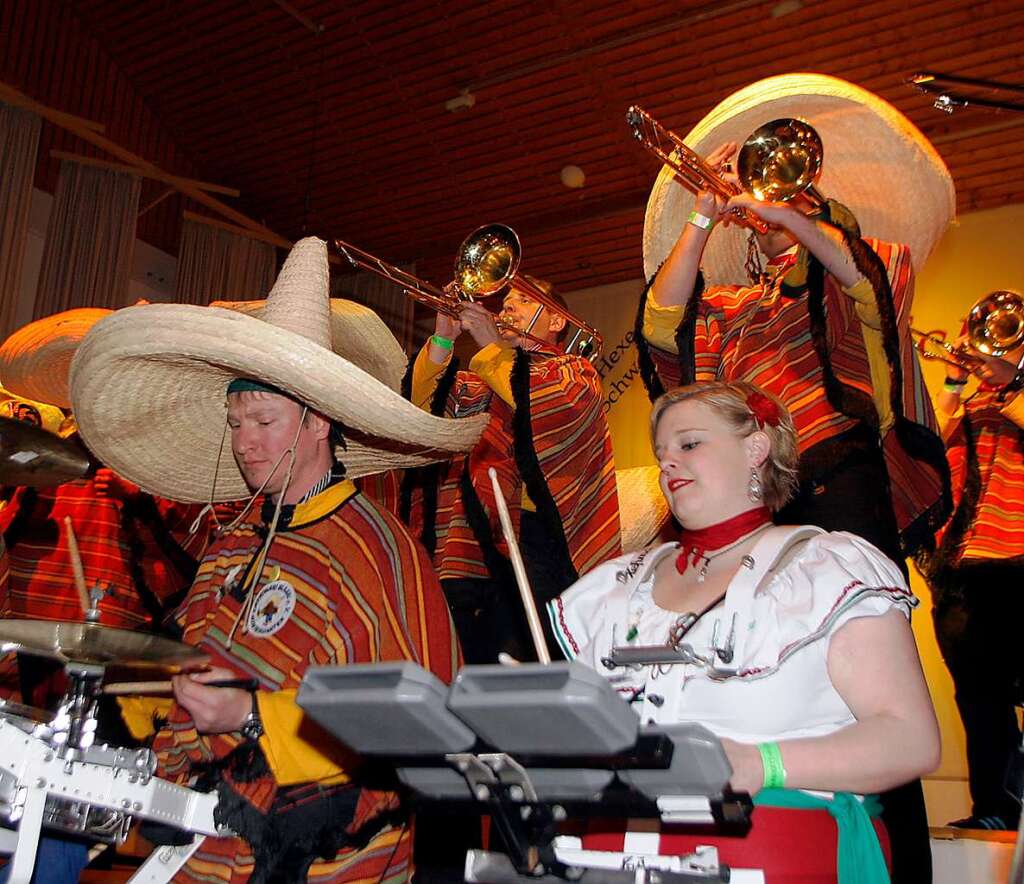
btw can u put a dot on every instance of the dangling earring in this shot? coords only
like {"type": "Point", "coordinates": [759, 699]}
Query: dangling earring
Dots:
{"type": "Point", "coordinates": [754, 486]}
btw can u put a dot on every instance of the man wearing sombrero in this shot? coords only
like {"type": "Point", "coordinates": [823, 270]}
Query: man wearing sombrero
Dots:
{"type": "Point", "coordinates": [207, 404]}
{"type": "Point", "coordinates": [826, 328]}
{"type": "Point", "coordinates": [548, 440]}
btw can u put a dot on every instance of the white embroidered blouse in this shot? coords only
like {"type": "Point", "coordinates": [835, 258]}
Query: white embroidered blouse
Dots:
{"type": "Point", "coordinates": [777, 618]}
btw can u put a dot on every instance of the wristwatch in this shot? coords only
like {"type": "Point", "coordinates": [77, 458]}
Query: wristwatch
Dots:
{"type": "Point", "coordinates": [252, 727]}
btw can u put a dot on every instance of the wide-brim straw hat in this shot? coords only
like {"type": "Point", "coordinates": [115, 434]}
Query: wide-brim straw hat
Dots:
{"type": "Point", "coordinates": [876, 162]}
{"type": "Point", "coordinates": [643, 510]}
{"type": "Point", "coordinates": [357, 333]}
{"type": "Point", "coordinates": [149, 389]}
{"type": "Point", "coordinates": [35, 360]}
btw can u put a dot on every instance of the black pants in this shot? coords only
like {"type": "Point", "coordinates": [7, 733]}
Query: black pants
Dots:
{"type": "Point", "coordinates": [844, 486]}
{"type": "Point", "coordinates": [488, 614]}
{"type": "Point", "coordinates": [977, 615]}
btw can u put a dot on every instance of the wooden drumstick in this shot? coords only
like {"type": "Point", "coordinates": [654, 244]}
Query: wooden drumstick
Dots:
{"type": "Point", "coordinates": [76, 568]}
{"type": "Point", "coordinates": [536, 633]}
{"type": "Point", "coordinates": [126, 688]}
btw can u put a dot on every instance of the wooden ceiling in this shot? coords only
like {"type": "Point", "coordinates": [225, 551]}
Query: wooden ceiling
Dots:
{"type": "Point", "coordinates": [330, 117]}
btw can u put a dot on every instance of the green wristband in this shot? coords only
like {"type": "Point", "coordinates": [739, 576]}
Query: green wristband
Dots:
{"type": "Point", "coordinates": [702, 221]}
{"type": "Point", "coordinates": [443, 343]}
{"type": "Point", "coordinates": [774, 772]}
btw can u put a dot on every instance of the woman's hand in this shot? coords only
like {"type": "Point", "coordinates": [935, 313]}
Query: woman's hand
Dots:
{"type": "Point", "coordinates": [747, 767]}
{"type": "Point", "coordinates": [214, 710]}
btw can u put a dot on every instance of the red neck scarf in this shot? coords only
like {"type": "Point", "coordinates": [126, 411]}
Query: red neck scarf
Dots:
{"type": "Point", "coordinates": [694, 545]}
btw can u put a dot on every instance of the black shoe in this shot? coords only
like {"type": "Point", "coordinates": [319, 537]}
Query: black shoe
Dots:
{"type": "Point", "coordinates": [991, 823]}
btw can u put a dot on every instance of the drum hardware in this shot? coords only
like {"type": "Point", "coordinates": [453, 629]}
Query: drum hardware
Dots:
{"type": "Point", "coordinates": [53, 775]}
{"type": "Point", "coordinates": [534, 746]}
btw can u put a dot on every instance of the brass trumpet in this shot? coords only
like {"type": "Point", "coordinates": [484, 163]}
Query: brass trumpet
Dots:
{"type": "Point", "coordinates": [778, 161]}
{"type": "Point", "coordinates": [487, 264]}
{"type": "Point", "coordinates": [995, 326]}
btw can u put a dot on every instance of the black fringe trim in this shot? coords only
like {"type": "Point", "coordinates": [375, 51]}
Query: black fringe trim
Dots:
{"type": "Point", "coordinates": [499, 567]}
{"type": "Point", "coordinates": [939, 565]}
{"type": "Point", "coordinates": [28, 500]}
{"type": "Point", "coordinates": [288, 839]}
{"type": "Point", "coordinates": [426, 478]}
{"type": "Point", "coordinates": [685, 335]}
{"type": "Point", "coordinates": [530, 469]}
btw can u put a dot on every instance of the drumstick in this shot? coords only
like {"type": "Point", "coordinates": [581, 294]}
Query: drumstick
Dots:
{"type": "Point", "coordinates": [520, 571]}
{"type": "Point", "coordinates": [76, 568]}
{"type": "Point", "coordinates": [124, 688]}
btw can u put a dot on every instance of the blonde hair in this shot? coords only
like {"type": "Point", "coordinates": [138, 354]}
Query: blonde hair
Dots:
{"type": "Point", "coordinates": [730, 401]}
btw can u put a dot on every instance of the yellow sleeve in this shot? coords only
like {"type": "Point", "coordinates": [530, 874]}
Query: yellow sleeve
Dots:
{"type": "Point", "coordinates": [661, 323]}
{"type": "Point", "coordinates": [1013, 410]}
{"type": "Point", "coordinates": [138, 713]}
{"type": "Point", "coordinates": [296, 748]}
{"type": "Point", "coordinates": [871, 330]}
{"type": "Point", "coordinates": [425, 375]}
{"type": "Point", "coordinates": [494, 365]}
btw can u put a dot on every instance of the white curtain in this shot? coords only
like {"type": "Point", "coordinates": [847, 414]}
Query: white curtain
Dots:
{"type": "Point", "coordinates": [215, 264]}
{"type": "Point", "coordinates": [19, 143]}
{"type": "Point", "coordinates": [87, 258]}
{"type": "Point", "coordinates": [387, 300]}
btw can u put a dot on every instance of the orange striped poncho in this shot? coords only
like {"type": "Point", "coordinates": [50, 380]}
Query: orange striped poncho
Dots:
{"type": "Point", "coordinates": [554, 444]}
{"type": "Point", "coordinates": [343, 582]}
{"type": "Point", "coordinates": [820, 366]}
{"type": "Point", "coordinates": [985, 445]}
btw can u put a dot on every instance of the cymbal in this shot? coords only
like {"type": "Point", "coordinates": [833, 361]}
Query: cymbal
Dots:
{"type": "Point", "coordinates": [95, 644]}
{"type": "Point", "coordinates": [29, 455]}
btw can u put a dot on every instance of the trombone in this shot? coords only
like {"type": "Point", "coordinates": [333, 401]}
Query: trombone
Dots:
{"type": "Point", "coordinates": [778, 161]}
{"type": "Point", "coordinates": [487, 264]}
{"type": "Point", "coordinates": [995, 326]}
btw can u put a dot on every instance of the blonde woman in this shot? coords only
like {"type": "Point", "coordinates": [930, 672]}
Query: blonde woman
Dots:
{"type": "Point", "coordinates": [804, 662]}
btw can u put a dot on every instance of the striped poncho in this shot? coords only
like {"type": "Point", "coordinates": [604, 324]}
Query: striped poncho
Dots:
{"type": "Point", "coordinates": [343, 582]}
{"type": "Point", "coordinates": [985, 445]}
{"type": "Point", "coordinates": [837, 360]}
{"type": "Point", "coordinates": [550, 446]}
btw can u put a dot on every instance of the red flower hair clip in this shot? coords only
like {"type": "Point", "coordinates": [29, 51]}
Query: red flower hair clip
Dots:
{"type": "Point", "coordinates": [765, 410]}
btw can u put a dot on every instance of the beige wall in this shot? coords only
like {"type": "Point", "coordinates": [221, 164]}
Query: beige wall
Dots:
{"type": "Point", "coordinates": [979, 254]}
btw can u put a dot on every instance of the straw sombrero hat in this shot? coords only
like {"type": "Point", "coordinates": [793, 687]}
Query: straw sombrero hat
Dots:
{"type": "Point", "coordinates": [643, 510]}
{"type": "Point", "coordinates": [357, 333]}
{"type": "Point", "coordinates": [34, 360]}
{"type": "Point", "coordinates": [876, 162]}
{"type": "Point", "coordinates": [149, 385]}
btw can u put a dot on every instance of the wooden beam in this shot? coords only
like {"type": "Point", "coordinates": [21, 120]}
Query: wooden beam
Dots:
{"type": "Point", "coordinates": [176, 181]}
{"type": "Point", "coordinates": [274, 239]}
{"type": "Point", "coordinates": [167, 192]}
{"type": "Point", "coordinates": [12, 95]}
{"type": "Point", "coordinates": [17, 99]}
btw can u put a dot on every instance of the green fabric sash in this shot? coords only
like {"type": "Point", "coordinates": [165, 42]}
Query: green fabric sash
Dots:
{"type": "Point", "coordinates": [859, 858]}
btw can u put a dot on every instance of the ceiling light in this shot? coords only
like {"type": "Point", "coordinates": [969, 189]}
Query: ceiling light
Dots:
{"type": "Point", "coordinates": [573, 177]}
{"type": "Point", "coordinates": [463, 101]}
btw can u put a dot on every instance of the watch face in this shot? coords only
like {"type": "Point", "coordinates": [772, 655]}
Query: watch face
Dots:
{"type": "Point", "coordinates": [252, 729]}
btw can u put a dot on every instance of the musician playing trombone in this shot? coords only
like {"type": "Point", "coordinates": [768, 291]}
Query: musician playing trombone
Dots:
{"type": "Point", "coordinates": [823, 326]}
{"type": "Point", "coordinates": [977, 569]}
{"type": "Point", "coordinates": [547, 438]}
